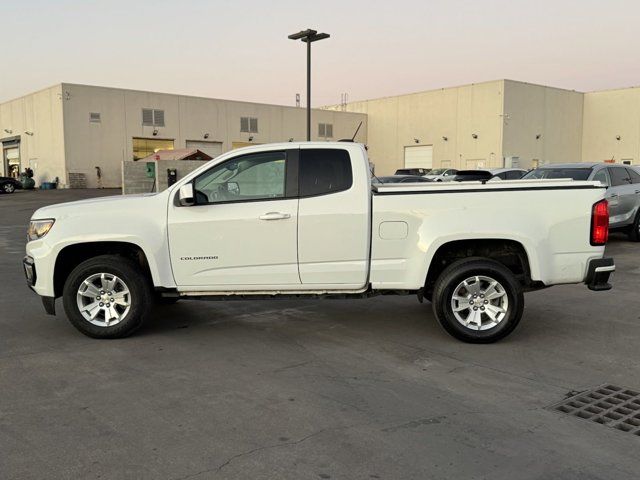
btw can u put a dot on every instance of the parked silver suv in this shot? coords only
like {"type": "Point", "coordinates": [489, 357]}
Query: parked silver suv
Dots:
{"type": "Point", "coordinates": [623, 192]}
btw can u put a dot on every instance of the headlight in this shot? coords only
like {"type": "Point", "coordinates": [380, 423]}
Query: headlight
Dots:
{"type": "Point", "coordinates": [39, 228]}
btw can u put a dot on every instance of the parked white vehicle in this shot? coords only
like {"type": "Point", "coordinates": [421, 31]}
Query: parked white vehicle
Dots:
{"type": "Point", "coordinates": [303, 219]}
{"type": "Point", "coordinates": [441, 174]}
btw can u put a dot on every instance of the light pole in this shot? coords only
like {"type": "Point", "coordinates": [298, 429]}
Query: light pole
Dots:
{"type": "Point", "coordinates": [308, 36]}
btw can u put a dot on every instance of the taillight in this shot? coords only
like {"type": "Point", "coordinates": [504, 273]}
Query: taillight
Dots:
{"type": "Point", "coordinates": [600, 223]}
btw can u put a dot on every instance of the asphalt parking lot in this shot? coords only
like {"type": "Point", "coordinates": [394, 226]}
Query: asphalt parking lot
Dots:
{"type": "Point", "coordinates": [314, 389]}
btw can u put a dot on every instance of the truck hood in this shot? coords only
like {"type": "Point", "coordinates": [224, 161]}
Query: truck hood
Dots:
{"type": "Point", "coordinates": [61, 210]}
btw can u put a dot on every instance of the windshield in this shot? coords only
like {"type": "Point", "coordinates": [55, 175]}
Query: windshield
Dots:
{"type": "Point", "coordinates": [572, 173]}
{"type": "Point", "coordinates": [437, 171]}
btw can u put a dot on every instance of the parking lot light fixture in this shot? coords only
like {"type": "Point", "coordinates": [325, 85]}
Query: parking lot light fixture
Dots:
{"type": "Point", "coordinates": [308, 36]}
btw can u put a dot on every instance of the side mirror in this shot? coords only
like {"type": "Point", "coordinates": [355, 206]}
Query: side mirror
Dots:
{"type": "Point", "coordinates": [233, 188]}
{"type": "Point", "coordinates": [186, 195]}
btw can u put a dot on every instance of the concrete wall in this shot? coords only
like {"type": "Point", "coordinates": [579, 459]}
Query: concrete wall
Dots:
{"type": "Point", "coordinates": [607, 115]}
{"type": "Point", "coordinates": [455, 113]}
{"type": "Point", "coordinates": [553, 114]}
{"type": "Point", "coordinates": [108, 143]}
{"type": "Point", "coordinates": [135, 179]}
{"type": "Point", "coordinates": [183, 167]}
{"type": "Point", "coordinates": [39, 113]}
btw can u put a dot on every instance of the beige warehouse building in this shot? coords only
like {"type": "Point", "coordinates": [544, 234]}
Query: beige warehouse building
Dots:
{"type": "Point", "coordinates": [81, 134]}
{"type": "Point", "coordinates": [68, 130]}
{"type": "Point", "coordinates": [500, 123]}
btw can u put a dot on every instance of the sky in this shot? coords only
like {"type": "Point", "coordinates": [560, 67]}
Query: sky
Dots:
{"type": "Point", "coordinates": [239, 49]}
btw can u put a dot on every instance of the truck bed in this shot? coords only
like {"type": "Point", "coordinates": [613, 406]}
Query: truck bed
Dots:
{"type": "Point", "coordinates": [550, 219]}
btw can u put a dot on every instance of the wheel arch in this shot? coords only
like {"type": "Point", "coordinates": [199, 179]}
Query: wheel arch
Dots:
{"type": "Point", "coordinates": [510, 253]}
{"type": "Point", "coordinates": [72, 255]}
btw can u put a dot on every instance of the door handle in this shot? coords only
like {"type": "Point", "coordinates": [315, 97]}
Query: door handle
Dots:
{"type": "Point", "coordinates": [274, 216]}
{"type": "Point", "coordinates": [614, 195]}
{"type": "Point", "coordinates": [637, 191]}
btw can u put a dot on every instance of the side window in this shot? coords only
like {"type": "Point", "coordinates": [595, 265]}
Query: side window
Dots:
{"type": "Point", "coordinates": [602, 177]}
{"type": "Point", "coordinates": [324, 171]}
{"type": "Point", "coordinates": [259, 176]}
{"type": "Point", "coordinates": [618, 176]}
{"type": "Point", "coordinates": [634, 175]}
{"type": "Point", "coordinates": [514, 175]}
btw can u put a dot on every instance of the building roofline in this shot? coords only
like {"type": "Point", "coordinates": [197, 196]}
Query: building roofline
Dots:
{"type": "Point", "coordinates": [541, 85]}
{"type": "Point", "coordinates": [632, 87]}
{"type": "Point", "coordinates": [503, 80]}
{"type": "Point", "coordinates": [386, 97]}
{"type": "Point", "coordinates": [62, 85]}
{"type": "Point", "coordinates": [44, 89]}
{"type": "Point", "coordinates": [199, 97]}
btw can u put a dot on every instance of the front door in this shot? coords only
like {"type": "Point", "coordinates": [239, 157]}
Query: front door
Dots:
{"type": "Point", "coordinates": [242, 232]}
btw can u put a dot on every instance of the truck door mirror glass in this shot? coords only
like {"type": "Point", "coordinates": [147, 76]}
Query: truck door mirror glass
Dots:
{"type": "Point", "coordinates": [186, 195]}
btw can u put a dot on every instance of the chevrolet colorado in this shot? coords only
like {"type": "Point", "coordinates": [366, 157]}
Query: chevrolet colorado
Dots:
{"type": "Point", "coordinates": [303, 219]}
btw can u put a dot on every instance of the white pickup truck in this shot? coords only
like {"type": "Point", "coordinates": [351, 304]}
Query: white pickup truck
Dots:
{"type": "Point", "coordinates": [303, 219]}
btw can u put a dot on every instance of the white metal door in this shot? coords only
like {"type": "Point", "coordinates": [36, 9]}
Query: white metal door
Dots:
{"type": "Point", "coordinates": [234, 244]}
{"type": "Point", "coordinates": [213, 149]}
{"type": "Point", "coordinates": [420, 156]}
{"type": "Point", "coordinates": [242, 232]}
{"type": "Point", "coordinates": [334, 226]}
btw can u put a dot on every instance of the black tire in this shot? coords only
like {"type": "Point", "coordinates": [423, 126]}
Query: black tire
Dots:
{"type": "Point", "coordinates": [8, 187]}
{"type": "Point", "coordinates": [140, 295]}
{"type": "Point", "coordinates": [450, 279]}
{"type": "Point", "coordinates": [634, 229]}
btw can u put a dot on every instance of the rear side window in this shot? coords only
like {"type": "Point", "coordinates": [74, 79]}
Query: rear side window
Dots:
{"type": "Point", "coordinates": [514, 175]}
{"type": "Point", "coordinates": [572, 173]}
{"type": "Point", "coordinates": [602, 177]}
{"type": "Point", "coordinates": [324, 171]}
{"type": "Point", "coordinates": [635, 176]}
{"type": "Point", "coordinates": [618, 176]}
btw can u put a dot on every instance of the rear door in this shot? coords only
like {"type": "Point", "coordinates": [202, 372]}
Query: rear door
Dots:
{"type": "Point", "coordinates": [621, 197]}
{"type": "Point", "coordinates": [333, 217]}
{"type": "Point", "coordinates": [635, 184]}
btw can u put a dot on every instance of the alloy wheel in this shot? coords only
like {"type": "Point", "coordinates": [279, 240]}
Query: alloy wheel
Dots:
{"type": "Point", "coordinates": [479, 302]}
{"type": "Point", "coordinates": [103, 299]}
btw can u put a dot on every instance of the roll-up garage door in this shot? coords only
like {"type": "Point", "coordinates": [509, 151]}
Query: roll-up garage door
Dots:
{"type": "Point", "coordinates": [420, 156]}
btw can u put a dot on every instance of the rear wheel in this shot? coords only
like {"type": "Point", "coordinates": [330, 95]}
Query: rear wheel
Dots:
{"type": "Point", "coordinates": [106, 297]}
{"type": "Point", "coordinates": [634, 230]}
{"type": "Point", "coordinates": [478, 300]}
{"type": "Point", "coordinates": [8, 188]}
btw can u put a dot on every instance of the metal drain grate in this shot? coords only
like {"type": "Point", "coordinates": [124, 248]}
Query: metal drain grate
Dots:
{"type": "Point", "coordinates": [615, 407]}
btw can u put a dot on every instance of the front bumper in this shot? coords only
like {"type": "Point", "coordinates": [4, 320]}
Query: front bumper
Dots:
{"type": "Point", "coordinates": [30, 273]}
{"type": "Point", "coordinates": [29, 267]}
{"type": "Point", "coordinates": [598, 274]}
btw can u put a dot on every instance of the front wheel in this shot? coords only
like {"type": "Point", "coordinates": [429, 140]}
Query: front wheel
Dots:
{"type": "Point", "coordinates": [478, 300]}
{"type": "Point", "coordinates": [8, 188]}
{"type": "Point", "coordinates": [106, 297]}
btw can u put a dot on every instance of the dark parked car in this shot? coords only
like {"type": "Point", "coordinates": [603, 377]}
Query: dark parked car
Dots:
{"type": "Point", "coordinates": [419, 172]}
{"type": "Point", "coordinates": [9, 184]}
{"type": "Point", "coordinates": [472, 175]}
{"type": "Point", "coordinates": [508, 173]}
{"type": "Point", "coordinates": [401, 179]}
{"type": "Point", "coordinates": [623, 189]}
